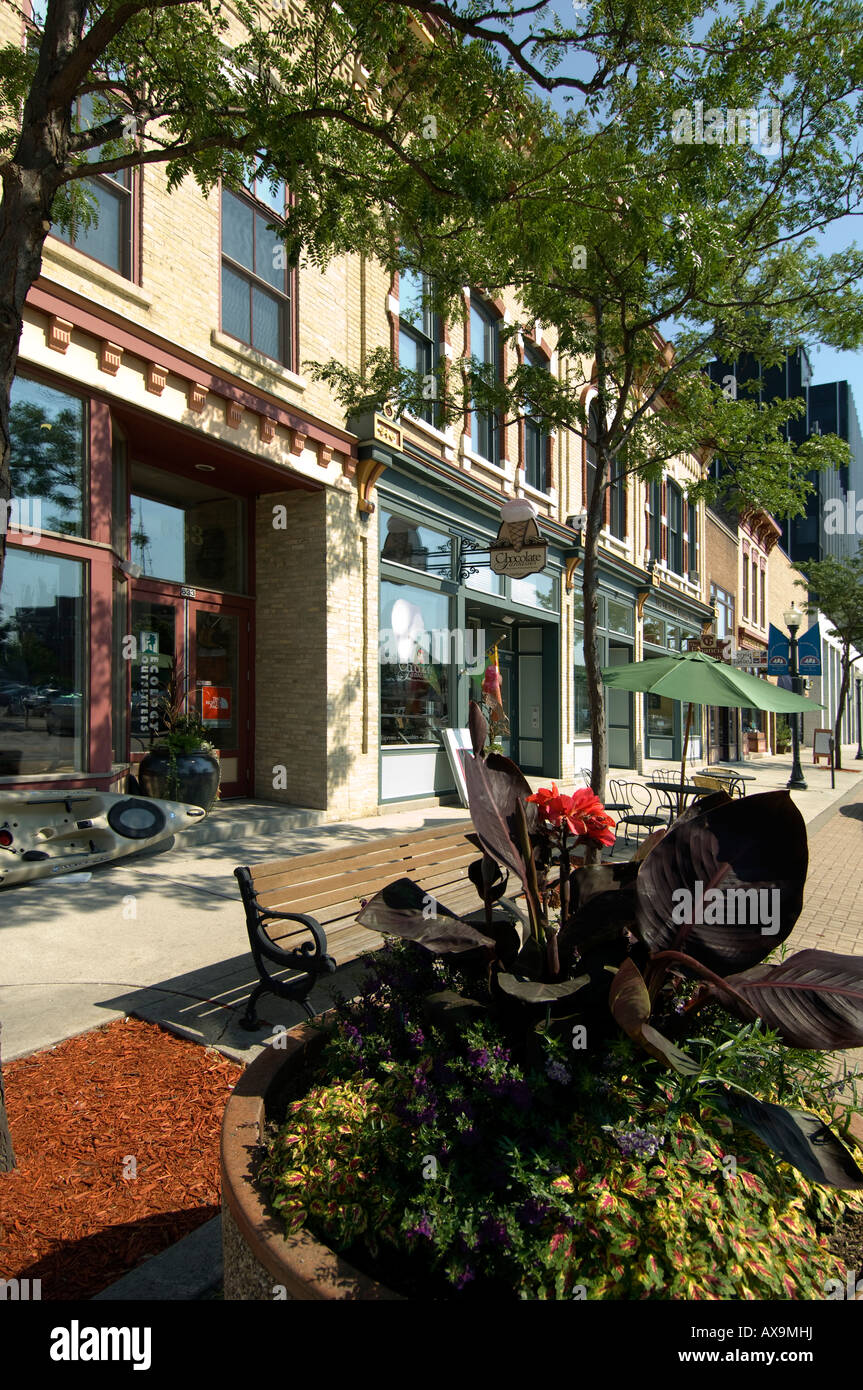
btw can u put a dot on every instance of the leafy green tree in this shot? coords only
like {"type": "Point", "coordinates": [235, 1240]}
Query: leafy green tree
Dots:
{"type": "Point", "coordinates": [650, 225]}
{"type": "Point", "coordinates": [836, 590]}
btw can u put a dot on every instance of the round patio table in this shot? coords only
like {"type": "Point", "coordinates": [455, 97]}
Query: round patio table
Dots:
{"type": "Point", "coordinates": [734, 779]}
{"type": "Point", "coordinates": [675, 796]}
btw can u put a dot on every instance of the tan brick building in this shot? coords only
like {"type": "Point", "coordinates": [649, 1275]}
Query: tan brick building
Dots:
{"type": "Point", "coordinates": [189, 494]}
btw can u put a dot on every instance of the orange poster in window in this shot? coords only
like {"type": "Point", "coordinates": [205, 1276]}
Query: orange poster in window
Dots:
{"type": "Point", "coordinates": [216, 704]}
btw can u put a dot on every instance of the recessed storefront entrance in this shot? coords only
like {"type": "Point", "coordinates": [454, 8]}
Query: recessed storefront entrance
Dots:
{"type": "Point", "coordinates": [204, 643]}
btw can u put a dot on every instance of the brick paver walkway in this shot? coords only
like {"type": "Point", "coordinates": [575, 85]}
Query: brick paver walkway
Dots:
{"type": "Point", "coordinates": [832, 916]}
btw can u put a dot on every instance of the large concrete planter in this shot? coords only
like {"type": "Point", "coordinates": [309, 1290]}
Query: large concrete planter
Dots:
{"type": "Point", "coordinates": [260, 1263]}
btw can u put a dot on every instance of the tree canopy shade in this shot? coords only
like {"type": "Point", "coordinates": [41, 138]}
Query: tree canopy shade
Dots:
{"type": "Point", "coordinates": [836, 590]}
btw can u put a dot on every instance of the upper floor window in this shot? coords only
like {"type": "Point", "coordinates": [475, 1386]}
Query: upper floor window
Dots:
{"type": "Point", "coordinates": [256, 300]}
{"type": "Point", "coordinates": [105, 231]}
{"type": "Point", "coordinates": [485, 347]}
{"type": "Point", "coordinates": [617, 496]}
{"type": "Point", "coordinates": [675, 529]}
{"type": "Point", "coordinates": [763, 598]}
{"type": "Point", "coordinates": [535, 437]}
{"type": "Point", "coordinates": [419, 340]}
{"type": "Point", "coordinates": [724, 604]}
{"type": "Point", "coordinates": [755, 593]}
{"type": "Point", "coordinates": [693, 537]}
{"type": "Point", "coordinates": [654, 538]}
{"type": "Point", "coordinates": [746, 586]}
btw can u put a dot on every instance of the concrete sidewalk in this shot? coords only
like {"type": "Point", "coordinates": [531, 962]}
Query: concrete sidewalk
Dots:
{"type": "Point", "coordinates": [163, 936]}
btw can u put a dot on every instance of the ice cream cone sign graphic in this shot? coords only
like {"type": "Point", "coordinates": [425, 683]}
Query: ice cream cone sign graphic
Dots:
{"type": "Point", "coordinates": [520, 548]}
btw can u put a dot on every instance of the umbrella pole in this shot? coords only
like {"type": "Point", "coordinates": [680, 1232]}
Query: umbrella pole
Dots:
{"type": "Point", "coordinates": [685, 743]}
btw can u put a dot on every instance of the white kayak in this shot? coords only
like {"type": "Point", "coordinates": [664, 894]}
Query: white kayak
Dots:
{"type": "Point", "coordinates": [43, 834]}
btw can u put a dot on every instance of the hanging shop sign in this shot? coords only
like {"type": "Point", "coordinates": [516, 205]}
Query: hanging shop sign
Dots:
{"type": "Point", "coordinates": [809, 652]}
{"type": "Point", "coordinates": [778, 653]}
{"type": "Point", "coordinates": [519, 548]}
{"type": "Point", "coordinates": [717, 647]}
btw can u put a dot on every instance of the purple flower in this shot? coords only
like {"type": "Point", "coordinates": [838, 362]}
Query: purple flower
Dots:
{"type": "Point", "coordinates": [422, 1228]}
{"type": "Point", "coordinates": [478, 1057]}
{"type": "Point", "coordinates": [637, 1143]}
{"type": "Point", "coordinates": [556, 1071]}
{"type": "Point", "coordinates": [351, 1033]}
{"type": "Point", "coordinates": [531, 1212]}
{"type": "Point", "coordinates": [464, 1277]}
{"type": "Point", "coordinates": [417, 1037]}
{"type": "Point", "coordinates": [493, 1231]}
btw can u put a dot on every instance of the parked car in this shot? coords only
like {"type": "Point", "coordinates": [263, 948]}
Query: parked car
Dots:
{"type": "Point", "coordinates": [62, 714]}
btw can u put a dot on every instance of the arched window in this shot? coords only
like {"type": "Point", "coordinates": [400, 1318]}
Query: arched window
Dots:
{"type": "Point", "coordinates": [485, 347]}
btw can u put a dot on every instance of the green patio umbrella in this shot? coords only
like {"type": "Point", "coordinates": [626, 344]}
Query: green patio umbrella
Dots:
{"type": "Point", "coordinates": [702, 680]}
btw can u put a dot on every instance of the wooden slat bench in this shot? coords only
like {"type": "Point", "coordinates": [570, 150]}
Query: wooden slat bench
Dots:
{"type": "Point", "coordinates": [298, 909]}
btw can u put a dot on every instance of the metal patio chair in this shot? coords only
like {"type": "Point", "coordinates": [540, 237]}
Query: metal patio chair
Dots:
{"type": "Point", "coordinates": [638, 802]}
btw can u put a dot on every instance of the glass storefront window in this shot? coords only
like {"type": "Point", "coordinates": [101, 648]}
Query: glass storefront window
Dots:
{"type": "Point", "coordinates": [536, 591]}
{"type": "Point", "coordinates": [621, 618]}
{"type": "Point", "coordinates": [654, 632]}
{"type": "Point", "coordinates": [152, 664]}
{"type": "Point", "coordinates": [406, 542]}
{"type": "Point", "coordinates": [414, 664]}
{"type": "Point", "coordinates": [42, 665]}
{"type": "Point", "coordinates": [47, 431]}
{"type": "Point", "coordinates": [660, 716]}
{"type": "Point", "coordinates": [485, 580]}
{"type": "Point", "coordinates": [187, 532]}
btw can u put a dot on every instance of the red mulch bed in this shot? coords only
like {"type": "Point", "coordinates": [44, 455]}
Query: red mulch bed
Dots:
{"type": "Point", "coordinates": [68, 1216]}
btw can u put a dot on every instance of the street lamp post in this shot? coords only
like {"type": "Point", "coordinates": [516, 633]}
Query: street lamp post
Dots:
{"type": "Point", "coordinates": [859, 753]}
{"type": "Point", "coordinates": [796, 782]}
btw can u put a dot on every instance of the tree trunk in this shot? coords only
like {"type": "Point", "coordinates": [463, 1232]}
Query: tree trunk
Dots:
{"type": "Point", "coordinates": [7, 1153]}
{"type": "Point", "coordinates": [840, 708]}
{"type": "Point", "coordinates": [590, 589]}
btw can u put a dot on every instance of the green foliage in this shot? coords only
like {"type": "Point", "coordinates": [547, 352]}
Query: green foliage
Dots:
{"type": "Point", "coordinates": [464, 1169]}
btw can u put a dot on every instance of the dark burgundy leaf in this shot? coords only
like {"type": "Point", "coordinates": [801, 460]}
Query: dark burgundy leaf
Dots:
{"type": "Point", "coordinates": [800, 1138]}
{"type": "Point", "coordinates": [494, 787]}
{"type": "Point", "coordinates": [534, 992]}
{"type": "Point", "coordinates": [629, 1002]}
{"type": "Point", "coordinates": [487, 879]}
{"type": "Point", "coordinates": [814, 999]}
{"type": "Point", "coordinates": [733, 859]}
{"type": "Point", "coordinates": [402, 909]}
{"type": "Point", "coordinates": [478, 726]}
{"type": "Point", "coordinates": [602, 904]}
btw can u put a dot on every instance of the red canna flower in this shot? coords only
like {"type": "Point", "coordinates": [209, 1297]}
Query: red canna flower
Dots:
{"type": "Point", "coordinates": [582, 813]}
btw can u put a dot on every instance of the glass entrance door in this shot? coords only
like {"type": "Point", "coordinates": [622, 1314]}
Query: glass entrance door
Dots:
{"type": "Point", "coordinates": [206, 645]}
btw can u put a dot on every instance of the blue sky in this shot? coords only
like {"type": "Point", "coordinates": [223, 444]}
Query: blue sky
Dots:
{"type": "Point", "coordinates": [828, 364]}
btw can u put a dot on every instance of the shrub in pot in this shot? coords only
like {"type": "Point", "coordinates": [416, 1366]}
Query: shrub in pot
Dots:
{"type": "Point", "coordinates": [181, 764]}
{"type": "Point", "coordinates": [560, 1105]}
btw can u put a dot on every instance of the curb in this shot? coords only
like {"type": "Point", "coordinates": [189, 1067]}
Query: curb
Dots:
{"type": "Point", "coordinates": [188, 1270]}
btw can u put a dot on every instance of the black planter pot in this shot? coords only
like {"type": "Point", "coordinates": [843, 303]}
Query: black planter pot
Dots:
{"type": "Point", "coordinates": [190, 777]}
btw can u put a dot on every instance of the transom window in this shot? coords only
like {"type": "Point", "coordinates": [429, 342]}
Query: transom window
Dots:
{"type": "Point", "coordinates": [256, 304]}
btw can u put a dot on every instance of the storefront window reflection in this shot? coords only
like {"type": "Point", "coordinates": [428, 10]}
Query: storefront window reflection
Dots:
{"type": "Point", "coordinates": [406, 542]}
{"type": "Point", "coordinates": [47, 432]}
{"type": "Point", "coordinates": [195, 537]}
{"type": "Point", "coordinates": [42, 682]}
{"type": "Point", "coordinates": [414, 664]}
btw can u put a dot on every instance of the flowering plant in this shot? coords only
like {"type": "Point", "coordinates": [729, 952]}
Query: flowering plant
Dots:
{"type": "Point", "coordinates": [600, 949]}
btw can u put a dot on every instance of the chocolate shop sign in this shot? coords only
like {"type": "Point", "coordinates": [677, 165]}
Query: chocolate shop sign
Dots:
{"type": "Point", "coordinates": [519, 549]}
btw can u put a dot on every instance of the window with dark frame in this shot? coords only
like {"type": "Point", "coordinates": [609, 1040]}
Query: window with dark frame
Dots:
{"type": "Point", "coordinates": [108, 237]}
{"type": "Point", "coordinates": [763, 598]}
{"type": "Point", "coordinates": [655, 505]}
{"type": "Point", "coordinates": [256, 283]}
{"type": "Point", "coordinates": [675, 529]}
{"type": "Point", "coordinates": [617, 497]}
{"type": "Point", "coordinates": [485, 347]}
{"type": "Point", "coordinates": [535, 437]}
{"type": "Point", "coordinates": [693, 536]}
{"type": "Point", "coordinates": [419, 341]}
{"type": "Point", "coordinates": [723, 602]}
{"type": "Point", "coordinates": [746, 586]}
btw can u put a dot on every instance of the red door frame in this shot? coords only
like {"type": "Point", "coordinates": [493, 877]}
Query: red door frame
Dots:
{"type": "Point", "coordinates": [187, 600]}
